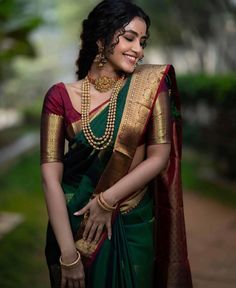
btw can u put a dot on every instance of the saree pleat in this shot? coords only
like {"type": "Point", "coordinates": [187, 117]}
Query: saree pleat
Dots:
{"type": "Point", "coordinates": [120, 261]}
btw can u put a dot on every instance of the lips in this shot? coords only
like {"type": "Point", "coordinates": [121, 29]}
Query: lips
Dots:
{"type": "Point", "coordinates": [132, 59]}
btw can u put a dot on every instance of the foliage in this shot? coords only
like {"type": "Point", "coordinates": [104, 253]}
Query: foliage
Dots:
{"type": "Point", "coordinates": [173, 20]}
{"type": "Point", "coordinates": [22, 262]}
{"type": "Point", "coordinates": [209, 108]}
{"type": "Point", "coordinates": [17, 21]}
{"type": "Point", "coordinates": [194, 179]}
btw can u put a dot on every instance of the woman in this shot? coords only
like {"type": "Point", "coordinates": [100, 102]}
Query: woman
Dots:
{"type": "Point", "coordinates": [109, 226]}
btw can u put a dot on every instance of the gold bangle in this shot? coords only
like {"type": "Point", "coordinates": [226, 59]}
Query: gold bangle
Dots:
{"type": "Point", "coordinates": [71, 265]}
{"type": "Point", "coordinates": [102, 205]}
{"type": "Point", "coordinates": [105, 202]}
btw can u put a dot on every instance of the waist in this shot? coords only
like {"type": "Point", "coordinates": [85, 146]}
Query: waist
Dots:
{"type": "Point", "coordinates": [132, 201]}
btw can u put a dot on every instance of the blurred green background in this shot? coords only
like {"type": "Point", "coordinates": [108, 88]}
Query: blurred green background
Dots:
{"type": "Point", "coordinates": [39, 42]}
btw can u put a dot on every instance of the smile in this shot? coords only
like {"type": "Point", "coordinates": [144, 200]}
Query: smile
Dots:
{"type": "Point", "coordinates": [132, 59]}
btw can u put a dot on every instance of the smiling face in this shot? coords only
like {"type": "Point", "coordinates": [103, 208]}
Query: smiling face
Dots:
{"type": "Point", "coordinates": [130, 47]}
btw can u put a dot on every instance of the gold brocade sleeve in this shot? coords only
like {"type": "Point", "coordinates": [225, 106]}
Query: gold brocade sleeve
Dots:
{"type": "Point", "coordinates": [52, 139]}
{"type": "Point", "coordinates": [158, 131]}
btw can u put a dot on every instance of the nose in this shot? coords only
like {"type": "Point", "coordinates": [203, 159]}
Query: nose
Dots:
{"type": "Point", "coordinates": [137, 47]}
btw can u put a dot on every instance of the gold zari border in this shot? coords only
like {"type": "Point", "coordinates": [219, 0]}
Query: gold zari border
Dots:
{"type": "Point", "coordinates": [140, 100]}
{"type": "Point", "coordinates": [52, 138]}
{"type": "Point", "coordinates": [159, 124]}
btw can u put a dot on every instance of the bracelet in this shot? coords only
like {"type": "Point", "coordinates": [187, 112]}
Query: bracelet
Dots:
{"type": "Point", "coordinates": [103, 204]}
{"type": "Point", "coordinates": [71, 265]}
{"type": "Point", "coordinates": [107, 204]}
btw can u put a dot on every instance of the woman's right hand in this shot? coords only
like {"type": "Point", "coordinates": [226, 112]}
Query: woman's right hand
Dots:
{"type": "Point", "coordinates": [73, 277]}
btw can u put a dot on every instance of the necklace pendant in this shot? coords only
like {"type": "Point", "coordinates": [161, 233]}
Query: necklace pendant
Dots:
{"type": "Point", "coordinates": [104, 84]}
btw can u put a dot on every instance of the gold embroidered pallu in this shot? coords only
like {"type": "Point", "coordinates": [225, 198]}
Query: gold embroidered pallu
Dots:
{"type": "Point", "coordinates": [172, 267]}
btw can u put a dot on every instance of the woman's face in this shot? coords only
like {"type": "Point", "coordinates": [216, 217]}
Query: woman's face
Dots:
{"type": "Point", "coordinates": [130, 47]}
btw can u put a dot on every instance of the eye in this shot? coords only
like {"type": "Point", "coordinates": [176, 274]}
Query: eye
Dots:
{"type": "Point", "coordinates": [128, 38]}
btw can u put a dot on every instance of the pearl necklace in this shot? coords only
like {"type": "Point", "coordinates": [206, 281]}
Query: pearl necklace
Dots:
{"type": "Point", "coordinates": [99, 143]}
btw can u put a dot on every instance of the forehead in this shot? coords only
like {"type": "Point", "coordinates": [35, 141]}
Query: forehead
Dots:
{"type": "Point", "coordinates": [137, 25]}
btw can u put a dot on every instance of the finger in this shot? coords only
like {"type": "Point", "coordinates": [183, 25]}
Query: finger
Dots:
{"type": "Point", "coordinates": [63, 282]}
{"type": "Point", "coordinates": [92, 232]}
{"type": "Point", "coordinates": [87, 229]}
{"type": "Point", "coordinates": [98, 233]}
{"type": "Point", "coordinates": [76, 284]}
{"type": "Point", "coordinates": [82, 284]}
{"type": "Point", "coordinates": [109, 233]}
{"type": "Point", "coordinates": [70, 284]}
{"type": "Point", "coordinates": [82, 211]}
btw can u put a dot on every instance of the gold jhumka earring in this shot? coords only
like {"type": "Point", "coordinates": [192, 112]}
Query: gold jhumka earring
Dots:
{"type": "Point", "coordinates": [100, 58]}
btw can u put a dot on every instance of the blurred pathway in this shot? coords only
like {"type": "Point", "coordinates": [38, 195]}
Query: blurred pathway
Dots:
{"type": "Point", "coordinates": [211, 233]}
{"type": "Point", "coordinates": [20, 146]}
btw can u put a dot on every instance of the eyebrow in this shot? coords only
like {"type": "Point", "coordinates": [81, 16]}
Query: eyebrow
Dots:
{"type": "Point", "coordinates": [135, 33]}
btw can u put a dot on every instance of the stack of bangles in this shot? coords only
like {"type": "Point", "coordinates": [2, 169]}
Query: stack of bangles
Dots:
{"type": "Point", "coordinates": [71, 265]}
{"type": "Point", "coordinates": [103, 203]}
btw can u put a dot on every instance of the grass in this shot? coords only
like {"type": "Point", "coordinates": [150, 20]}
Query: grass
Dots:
{"type": "Point", "coordinates": [193, 167]}
{"type": "Point", "coordinates": [22, 262]}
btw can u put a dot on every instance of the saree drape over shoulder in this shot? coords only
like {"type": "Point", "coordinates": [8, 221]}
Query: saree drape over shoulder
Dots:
{"type": "Point", "coordinates": [148, 246]}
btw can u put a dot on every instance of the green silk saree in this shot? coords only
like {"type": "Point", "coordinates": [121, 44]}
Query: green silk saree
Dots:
{"type": "Point", "coordinates": [133, 258]}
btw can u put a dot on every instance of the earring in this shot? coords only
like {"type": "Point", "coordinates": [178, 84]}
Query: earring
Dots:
{"type": "Point", "coordinates": [140, 60]}
{"type": "Point", "coordinates": [100, 58]}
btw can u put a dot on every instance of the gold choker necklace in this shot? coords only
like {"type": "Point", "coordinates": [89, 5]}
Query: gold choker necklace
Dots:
{"type": "Point", "coordinates": [99, 143]}
{"type": "Point", "coordinates": [103, 83]}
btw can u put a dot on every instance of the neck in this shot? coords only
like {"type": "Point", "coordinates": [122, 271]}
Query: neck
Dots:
{"type": "Point", "coordinates": [105, 71]}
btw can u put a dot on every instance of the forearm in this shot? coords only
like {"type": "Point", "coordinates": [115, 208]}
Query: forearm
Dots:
{"type": "Point", "coordinates": [137, 178]}
{"type": "Point", "coordinates": [59, 220]}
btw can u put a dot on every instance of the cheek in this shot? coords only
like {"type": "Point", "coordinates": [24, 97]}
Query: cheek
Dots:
{"type": "Point", "coordinates": [121, 47]}
{"type": "Point", "coordinates": [117, 54]}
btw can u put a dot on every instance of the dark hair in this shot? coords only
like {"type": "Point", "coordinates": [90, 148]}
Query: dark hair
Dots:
{"type": "Point", "coordinates": [102, 23]}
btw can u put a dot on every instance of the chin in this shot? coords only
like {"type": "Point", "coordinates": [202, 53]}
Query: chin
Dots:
{"type": "Point", "coordinates": [128, 70]}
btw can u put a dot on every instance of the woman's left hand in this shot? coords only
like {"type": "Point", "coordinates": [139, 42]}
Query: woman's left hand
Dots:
{"type": "Point", "coordinates": [98, 218]}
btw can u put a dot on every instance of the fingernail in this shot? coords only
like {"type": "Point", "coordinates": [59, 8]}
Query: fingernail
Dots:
{"type": "Point", "coordinates": [109, 237]}
{"type": "Point", "coordinates": [77, 213]}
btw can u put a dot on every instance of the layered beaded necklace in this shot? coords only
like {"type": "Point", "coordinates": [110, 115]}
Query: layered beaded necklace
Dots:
{"type": "Point", "coordinates": [99, 143]}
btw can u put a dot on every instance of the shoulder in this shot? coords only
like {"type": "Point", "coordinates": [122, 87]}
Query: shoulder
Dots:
{"type": "Point", "coordinates": [59, 92]}
{"type": "Point", "coordinates": [155, 71]}
{"type": "Point", "coordinates": [54, 91]}
{"type": "Point", "coordinates": [53, 100]}
{"type": "Point", "coordinates": [74, 87]}
{"type": "Point", "coordinates": [56, 88]}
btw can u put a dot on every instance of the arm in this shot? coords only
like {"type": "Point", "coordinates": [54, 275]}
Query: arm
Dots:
{"type": "Point", "coordinates": [157, 152]}
{"type": "Point", "coordinates": [57, 211]}
{"type": "Point", "coordinates": [156, 161]}
{"type": "Point", "coordinates": [52, 138]}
